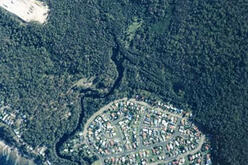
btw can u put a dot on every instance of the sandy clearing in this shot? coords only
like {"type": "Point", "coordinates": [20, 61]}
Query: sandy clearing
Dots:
{"type": "Point", "coordinates": [2, 144]}
{"type": "Point", "coordinates": [27, 10]}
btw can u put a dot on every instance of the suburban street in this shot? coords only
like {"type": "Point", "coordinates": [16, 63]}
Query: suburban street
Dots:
{"type": "Point", "coordinates": [126, 131]}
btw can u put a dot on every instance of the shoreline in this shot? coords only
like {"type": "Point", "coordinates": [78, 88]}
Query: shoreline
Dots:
{"type": "Point", "coordinates": [12, 154]}
{"type": "Point", "coordinates": [8, 153]}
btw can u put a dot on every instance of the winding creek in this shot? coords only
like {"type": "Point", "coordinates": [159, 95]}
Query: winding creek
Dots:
{"type": "Point", "coordinates": [96, 95]}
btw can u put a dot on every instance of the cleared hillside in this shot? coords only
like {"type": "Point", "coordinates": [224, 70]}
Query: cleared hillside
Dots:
{"type": "Point", "coordinates": [27, 10]}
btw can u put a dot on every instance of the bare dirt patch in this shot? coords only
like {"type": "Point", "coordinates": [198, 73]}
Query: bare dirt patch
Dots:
{"type": "Point", "coordinates": [27, 10]}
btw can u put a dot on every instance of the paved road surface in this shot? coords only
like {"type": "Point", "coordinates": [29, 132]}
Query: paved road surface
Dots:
{"type": "Point", "coordinates": [98, 113]}
{"type": "Point", "coordinates": [141, 147]}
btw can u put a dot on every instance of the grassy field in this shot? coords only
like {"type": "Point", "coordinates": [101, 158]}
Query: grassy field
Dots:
{"type": "Point", "coordinates": [98, 162]}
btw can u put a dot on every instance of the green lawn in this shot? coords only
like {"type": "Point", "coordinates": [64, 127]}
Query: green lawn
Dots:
{"type": "Point", "coordinates": [98, 162]}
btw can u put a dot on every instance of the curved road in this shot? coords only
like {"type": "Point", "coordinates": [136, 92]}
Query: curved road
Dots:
{"type": "Point", "coordinates": [102, 157]}
{"type": "Point", "coordinates": [94, 94]}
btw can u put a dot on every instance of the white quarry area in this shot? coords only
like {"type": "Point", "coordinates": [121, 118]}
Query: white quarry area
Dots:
{"type": "Point", "coordinates": [27, 10]}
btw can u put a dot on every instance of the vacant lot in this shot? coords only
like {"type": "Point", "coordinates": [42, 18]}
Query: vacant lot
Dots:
{"type": "Point", "coordinates": [27, 10]}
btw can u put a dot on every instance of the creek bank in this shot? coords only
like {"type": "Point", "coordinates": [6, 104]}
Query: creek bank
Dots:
{"type": "Point", "coordinates": [95, 95]}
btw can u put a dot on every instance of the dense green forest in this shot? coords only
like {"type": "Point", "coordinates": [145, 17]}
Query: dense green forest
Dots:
{"type": "Point", "coordinates": [192, 53]}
